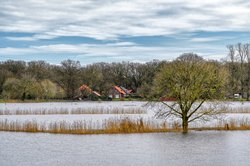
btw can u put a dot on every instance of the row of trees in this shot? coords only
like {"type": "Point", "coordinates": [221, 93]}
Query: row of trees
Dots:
{"type": "Point", "coordinates": [239, 67]}
{"type": "Point", "coordinates": [38, 79]}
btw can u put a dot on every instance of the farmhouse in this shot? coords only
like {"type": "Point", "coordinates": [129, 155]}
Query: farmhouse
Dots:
{"type": "Point", "coordinates": [87, 93]}
{"type": "Point", "coordinates": [119, 92]}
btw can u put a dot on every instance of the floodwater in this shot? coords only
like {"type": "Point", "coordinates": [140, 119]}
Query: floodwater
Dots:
{"type": "Point", "coordinates": [195, 148]}
{"type": "Point", "coordinates": [210, 148]}
{"type": "Point", "coordinates": [99, 118]}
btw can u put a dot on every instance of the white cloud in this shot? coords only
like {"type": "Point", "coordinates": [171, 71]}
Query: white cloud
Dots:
{"type": "Point", "coordinates": [206, 39]}
{"type": "Point", "coordinates": [127, 51]}
{"type": "Point", "coordinates": [21, 38]}
{"type": "Point", "coordinates": [16, 51]}
{"type": "Point", "coordinates": [108, 20]}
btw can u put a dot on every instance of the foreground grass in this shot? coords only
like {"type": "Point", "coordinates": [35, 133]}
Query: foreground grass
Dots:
{"type": "Point", "coordinates": [233, 124]}
{"type": "Point", "coordinates": [113, 126]}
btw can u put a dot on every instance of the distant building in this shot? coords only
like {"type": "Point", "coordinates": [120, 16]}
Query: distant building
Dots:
{"type": "Point", "coordinates": [119, 92]}
{"type": "Point", "coordinates": [237, 96]}
{"type": "Point", "coordinates": [87, 93]}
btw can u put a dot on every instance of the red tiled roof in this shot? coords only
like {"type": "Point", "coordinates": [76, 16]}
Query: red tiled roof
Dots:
{"type": "Point", "coordinates": [119, 90]}
{"type": "Point", "coordinates": [87, 88]}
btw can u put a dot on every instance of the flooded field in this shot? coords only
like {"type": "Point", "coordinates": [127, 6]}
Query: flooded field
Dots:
{"type": "Point", "coordinates": [94, 113]}
{"type": "Point", "coordinates": [156, 149]}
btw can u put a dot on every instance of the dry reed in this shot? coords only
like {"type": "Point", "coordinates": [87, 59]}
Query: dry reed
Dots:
{"type": "Point", "coordinates": [109, 126]}
{"type": "Point", "coordinates": [75, 111]}
{"type": "Point", "coordinates": [232, 124]}
{"type": "Point", "coordinates": [113, 126]}
{"type": "Point", "coordinates": [238, 110]}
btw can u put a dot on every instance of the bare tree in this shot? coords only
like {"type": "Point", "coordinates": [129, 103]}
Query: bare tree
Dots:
{"type": "Point", "coordinates": [191, 81]}
{"type": "Point", "coordinates": [68, 77]}
{"type": "Point", "coordinates": [233, 69]}
{"type": "Point", "coordinates": [241, 52]}
{"type": "Point", "coordinates": [247, 47]}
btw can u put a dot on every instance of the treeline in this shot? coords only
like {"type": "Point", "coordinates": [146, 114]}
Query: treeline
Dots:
{"type": "Point", "coordinates": [41, 80]}
{"type": "Point", "coordinates": [239, 68]}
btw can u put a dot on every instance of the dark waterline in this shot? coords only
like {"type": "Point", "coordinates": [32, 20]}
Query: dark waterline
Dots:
{"type": "Point", "coordinates": [195, 148]}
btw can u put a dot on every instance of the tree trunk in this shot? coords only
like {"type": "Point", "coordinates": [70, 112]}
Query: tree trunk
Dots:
{"type": "Point", "coordinates": [185, 125]}
{"type": "Point", "coordinates": [23, 96]}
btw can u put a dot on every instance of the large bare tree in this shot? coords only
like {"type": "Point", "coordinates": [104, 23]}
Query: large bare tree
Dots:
{"type": "Point", "coordinates": [191, 81]}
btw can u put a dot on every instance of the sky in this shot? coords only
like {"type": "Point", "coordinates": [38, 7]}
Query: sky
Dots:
{"type": "Point", "coordinates": [92, 31]}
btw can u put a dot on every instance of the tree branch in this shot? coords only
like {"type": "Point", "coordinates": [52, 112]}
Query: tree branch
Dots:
{"type": "Point", "coordinates": [199, 116]}
{"type": "Point", "coordinates": [172, 108]}
{"type": "Point", "coordinates": [196, 108]}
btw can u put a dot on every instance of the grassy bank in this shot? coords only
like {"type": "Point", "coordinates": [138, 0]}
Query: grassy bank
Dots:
{"type": "Point", "coordinates": [113, 126]}
{"type": "Point", "coordinates": [58, 100]}
{"type": "Point", "coordinates": [233, 124]}
{"type": "Point", "coordinates": [65, 100]}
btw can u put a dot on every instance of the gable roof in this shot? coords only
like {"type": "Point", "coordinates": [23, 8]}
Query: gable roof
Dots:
{"type": "Point", "coordinates": [120, 90]}
{"type": "Point", "coordinates": [127, 91]}
{"type": "Point", "coordinates": [88, 89]}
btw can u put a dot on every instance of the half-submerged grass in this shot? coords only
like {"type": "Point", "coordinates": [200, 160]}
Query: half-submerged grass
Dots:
{"type": "Point", "coordinates": [232, 124]}
{"type": "Point", "coordinates": [239, 110]}
{"type": "Point", "coordinates": [75, 111]}
{"type": "Point", "coordinates": [113, 126]}
{"type": "Point", "coordinates": [110, 126]}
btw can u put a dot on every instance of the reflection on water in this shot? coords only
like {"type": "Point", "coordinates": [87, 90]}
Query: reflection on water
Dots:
{"type": "Point", "coordinates": [195, 148]}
